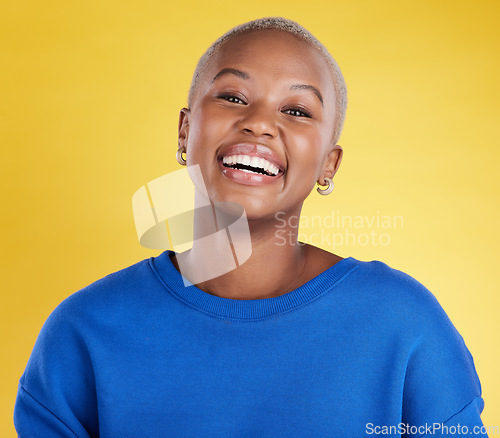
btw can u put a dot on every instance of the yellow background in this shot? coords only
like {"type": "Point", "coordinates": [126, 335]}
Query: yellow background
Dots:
{"type": "Point", "coordinates": [89, 108]}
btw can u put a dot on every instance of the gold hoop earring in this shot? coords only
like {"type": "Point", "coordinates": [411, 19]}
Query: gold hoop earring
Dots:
{"type": "Point", "coordinates": [178, 155]}
{"type": "Point", "coordinates": [329, 188]}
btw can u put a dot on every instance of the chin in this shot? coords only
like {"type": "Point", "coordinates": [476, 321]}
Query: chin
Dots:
{"type": "Point", "coordinates": [256, 208]}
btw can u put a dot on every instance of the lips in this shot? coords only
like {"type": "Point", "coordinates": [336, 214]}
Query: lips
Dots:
{"type": "Point", "coordinates": [250, 164]}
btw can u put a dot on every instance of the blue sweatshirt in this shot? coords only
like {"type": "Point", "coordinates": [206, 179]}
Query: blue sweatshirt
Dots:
{"type": "Point", "coordinates": [360, 350]}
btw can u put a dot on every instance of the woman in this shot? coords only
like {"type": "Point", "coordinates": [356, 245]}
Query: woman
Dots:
{"type": "Point", "coordinates": [294, 341]}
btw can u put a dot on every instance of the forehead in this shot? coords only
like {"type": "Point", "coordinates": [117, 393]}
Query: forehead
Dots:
{"type": "Point", "coordinates": [278, 54]}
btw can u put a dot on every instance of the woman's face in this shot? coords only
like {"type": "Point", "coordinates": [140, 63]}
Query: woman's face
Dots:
{"type": "Point", "coordinates": [261, 123]}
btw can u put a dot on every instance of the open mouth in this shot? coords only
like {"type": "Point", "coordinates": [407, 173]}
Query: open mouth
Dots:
{"type": "Point", "coordinates": [250, 164]}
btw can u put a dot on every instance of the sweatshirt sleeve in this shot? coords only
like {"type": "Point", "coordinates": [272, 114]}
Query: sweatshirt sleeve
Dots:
{"type": "Point", "coordinates": [441, 386]}
{"type": "Point", "coordinates": [32, 419]}
{"type": "Point", "coordinates": [56, 395]}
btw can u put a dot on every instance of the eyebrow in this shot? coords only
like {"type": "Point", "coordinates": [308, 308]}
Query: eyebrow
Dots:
{"type": "Point", "coordinates": [308, 87]}
{"type": "Point", "coordinates": [231, 71]}
{"type": "Point", "coordinates": [243, 75]}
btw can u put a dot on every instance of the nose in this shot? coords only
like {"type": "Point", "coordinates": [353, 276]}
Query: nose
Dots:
{"type": "Point", "coordinates": [259, 121]}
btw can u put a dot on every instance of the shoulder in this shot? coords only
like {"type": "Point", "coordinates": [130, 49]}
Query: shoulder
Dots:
{"type": "Point", "coordinates": [106, 298]}
{"type": "Point", "coordinates": [107, 307]}
{"type": "Point", "coordinates": [440, 376]}
{"type": "Point", "coordinates": [395, 296]}
{"type": "Point", "coordinates": [382, 282]}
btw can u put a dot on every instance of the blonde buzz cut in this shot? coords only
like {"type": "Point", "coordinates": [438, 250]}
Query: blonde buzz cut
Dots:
{"type": "Point", "coordinates": [293, 28]}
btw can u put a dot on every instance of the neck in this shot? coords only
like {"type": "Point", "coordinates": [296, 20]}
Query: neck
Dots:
{"type": "Point", "coordinates": [232, 260]}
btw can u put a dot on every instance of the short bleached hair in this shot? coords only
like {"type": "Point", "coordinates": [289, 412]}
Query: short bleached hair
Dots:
{"type": "Point", "coordinates": [293, 28]}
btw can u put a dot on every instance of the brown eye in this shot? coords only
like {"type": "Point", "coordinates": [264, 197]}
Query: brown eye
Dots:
{"type": "Point", "coordinates": [296, 112]}
{"type": "Point", "coordinates": [232, 99]}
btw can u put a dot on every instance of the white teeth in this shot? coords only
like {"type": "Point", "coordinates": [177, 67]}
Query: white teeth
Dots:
{"type": "Point", "coordinates": [247, 160]}
{"type": "Point", "coordinates": [255, 162]}
{"type": "Point", "coordinates": [263, 164]}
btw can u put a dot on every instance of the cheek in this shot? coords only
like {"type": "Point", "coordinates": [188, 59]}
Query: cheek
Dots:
{"type": "Point", "coordinates": [206, 131]}
{"type": "Point", "coordinates": [309, 150]}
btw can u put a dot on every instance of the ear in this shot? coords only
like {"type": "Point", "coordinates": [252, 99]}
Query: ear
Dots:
{"type": "Point", "coordinates": [332, 163]}
{"type": "Point", "coordinates": [183, 129]}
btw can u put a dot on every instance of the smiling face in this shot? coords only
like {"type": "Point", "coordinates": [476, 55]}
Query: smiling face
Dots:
{"type": "Point", "coordinates": [261, 123]}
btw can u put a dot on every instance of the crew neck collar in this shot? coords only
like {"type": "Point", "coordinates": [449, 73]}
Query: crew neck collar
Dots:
{"type": "Point", "coordinates": [228, 308]}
